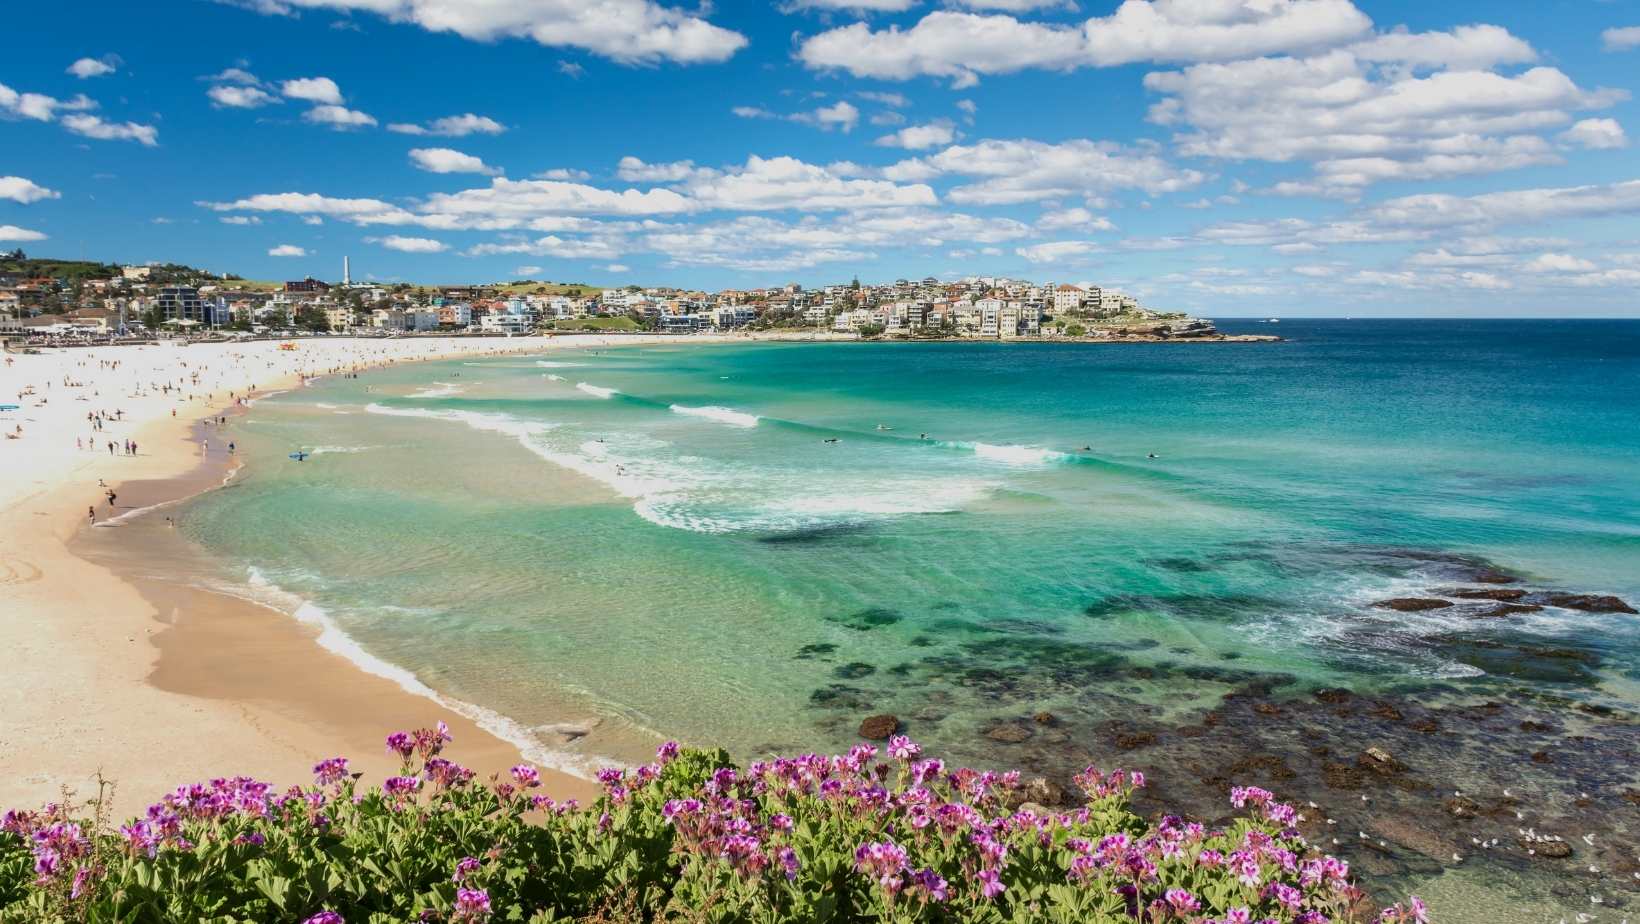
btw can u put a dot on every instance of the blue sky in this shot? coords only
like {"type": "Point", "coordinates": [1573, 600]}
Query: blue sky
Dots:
{"type": "Point", "coordinates": [1220, 156]}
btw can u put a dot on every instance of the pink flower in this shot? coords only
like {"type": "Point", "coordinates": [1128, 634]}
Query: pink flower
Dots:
{"type": "Point", "coordinates": [526, 776]}
{"type": "Point", "coordinates": [399, 787]}
{"type": "Point", "coordinates": [901, 747]}
{"type": "Point", "coordinates": [667, 752]}
{"type": "Point", "coordinates": [471, 905]}
{"type": "Point", "coordinates": [325, 917]}
{"type": "Point", "coordinates": [465, 867]}
{"type": "Point", "coordinates": [990, 883]}
{"type": "Point", "coordinates": [930, 885]}
{"type": "Point", "coordinates": [326, 772]}
{"type": "Point", "coordinates": [1181, 901]}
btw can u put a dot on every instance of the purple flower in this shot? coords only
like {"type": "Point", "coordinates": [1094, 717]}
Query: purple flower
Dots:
{"type": "Point", "coordinates": [1238, 916]}
{"type": "Point", "coordinates": [1241, 795]}
{"type": "Point", "coordinates": [466, 867]}
{"type": "Point", "coordinates": [1285, 894]}
{"type": "Point", "coordinates": [901, 747]}
{"type": "Point", "coordinates": [325, 917]}
{"type": "Point", "coordinates": [471, 905]}
{"type": "Point", "coordinates": [667, 752]}
{"type": "Point", "coordinates": [990, 883]}
{"type": "Point", "coordinates": [882, 861]}
{"type": "Point", "coordinates": [400, 787]}
{"type": "Point", "coordinates": [326, 772]}
{"type": "Point", "coordinates": [402, 744]}
{"type": "Point", "coordinates": [526, 776]}
{"type": "Point", "coordinates": [929, 884]}
{"type": "Point", "coordinates": [788, 862]}
{"type": "Point", "coordinates": [1182, 902]}
{"type": "Point", "coordinates": [142, 837]}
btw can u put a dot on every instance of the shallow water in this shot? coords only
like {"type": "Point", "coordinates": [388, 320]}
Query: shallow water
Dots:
{"type": "Point", "coordinates": [757, 545]}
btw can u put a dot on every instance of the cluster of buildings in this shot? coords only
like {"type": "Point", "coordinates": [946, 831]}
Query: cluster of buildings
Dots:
{"type": "Point", "coordinates": [134, 302]}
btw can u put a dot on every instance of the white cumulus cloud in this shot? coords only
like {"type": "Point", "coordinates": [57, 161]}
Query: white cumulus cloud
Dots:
{"type": "Point", "coordinates": [457, 126]}
{"type": "Point", "coordinates": [14, 233]}
{"type": "Point", "coordinates": [920, 137]}
{"type": "Point", "coordinates": [240, 96]}
{"type": "Point", "coordinates": [1622, 38]}
{"type": "Point", "coordinates": [287, 250]}
{"type": "Point", "coordinates": [1596, 134]}
{"type": "Point", "coordinates": [447, 160]}
{"type": "Point", "coordinates": [86, 68]}
{"type": "Point", "coordinates": [628, 31]}
{"type": "Point", "coordinates": [410, 244]}
{"type": "Point", "coordinates": [313, 90]}
{"type": "Point", "coordinates": [340, 118]}
{"type": "Point", "coordinates": [18, 189]}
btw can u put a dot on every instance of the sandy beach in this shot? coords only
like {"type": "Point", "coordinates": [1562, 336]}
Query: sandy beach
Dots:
{"type": "Point", "coordinates": [147, 683]}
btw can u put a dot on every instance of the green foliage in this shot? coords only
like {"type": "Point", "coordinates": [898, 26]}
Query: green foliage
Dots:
{"type": "Point", "coordinates": [689, 838]}
{"type": "Point", "coordinates": [1075, 330]}
{"type": "Point", "coordinates": [868, 331]}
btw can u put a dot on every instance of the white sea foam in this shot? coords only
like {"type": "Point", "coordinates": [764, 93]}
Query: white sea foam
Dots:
{"type": "Point", "coordinates": [555, 378]}
{"type": "Point", "coordinates": [722, 415]}
{"type": "Point", "coordinates": [549, 364]}
{"type": "Point", "coordinates": [329, 450]}
{"type": "Point", "coordinates": [439, 390]}
{"type": "Point", "coordinates": [334, 639]}
{"type": "Point", "coordinates": [596, 390]}
{"type": "Point", "coordinates": [494, 423]}
{"type": "Point", "coordinates": [251, 402]}
{"type": "Point", "coordinates": [328, 407]}
{"type": "Point", "coordinates": [688, 493]}
{"type": "Point", "coordinates": [1017, 455]}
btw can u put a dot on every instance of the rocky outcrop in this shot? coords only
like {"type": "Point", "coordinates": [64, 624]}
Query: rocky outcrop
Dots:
{"type": "Point", "coordinates": [1413, 604]}
{"type": "Point", "coordinates": [1590, 603]}
{"type": "Point", "coordinates": [1490, 593]}
{"type": "Point", "coordinates": [879, 727]}
{"type": "Point", "coordinates": [1008, 733]}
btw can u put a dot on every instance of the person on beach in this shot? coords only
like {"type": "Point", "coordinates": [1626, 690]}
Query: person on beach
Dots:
{"type": "Point", "coordinates": [91, 512]}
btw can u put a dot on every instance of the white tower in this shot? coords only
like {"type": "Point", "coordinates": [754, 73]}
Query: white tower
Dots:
{"type": "Point", "coordinates": [347, 273]}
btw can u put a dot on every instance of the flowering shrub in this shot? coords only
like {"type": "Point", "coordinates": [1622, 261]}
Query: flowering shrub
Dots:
{"type": "Point", "coordinates": [688, 837]}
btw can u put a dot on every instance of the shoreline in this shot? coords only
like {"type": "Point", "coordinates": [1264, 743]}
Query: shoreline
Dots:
{"type": "Point", "coordinates": [148, 682]}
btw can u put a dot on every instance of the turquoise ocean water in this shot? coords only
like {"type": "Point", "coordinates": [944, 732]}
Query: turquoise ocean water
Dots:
{"type": "Point", "coordinates": [756, 545]}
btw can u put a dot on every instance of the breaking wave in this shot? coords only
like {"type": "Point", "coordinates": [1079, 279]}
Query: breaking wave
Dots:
{"type": "Point", "coordinates": [722, 415]}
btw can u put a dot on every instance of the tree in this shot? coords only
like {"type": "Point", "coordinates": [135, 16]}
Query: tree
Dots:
{"type": "Point", "coordinates": [867, 331]}
{"type": "Point", "coordinates": [1075, 330]}
{"type": "Point", "coordinates": [309, 317]}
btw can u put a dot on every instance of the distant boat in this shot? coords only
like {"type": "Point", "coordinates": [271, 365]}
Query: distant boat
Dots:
{"type": "Point", "coordinates": [11, 407]}
{"type": "Point", "coordinates": [1273, 321]}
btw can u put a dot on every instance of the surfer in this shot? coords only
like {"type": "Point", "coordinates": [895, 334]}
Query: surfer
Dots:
{"type": "Point", "coordinates": [1151, 456]}
{"type": "Point", "coordinates": [832, 440]}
